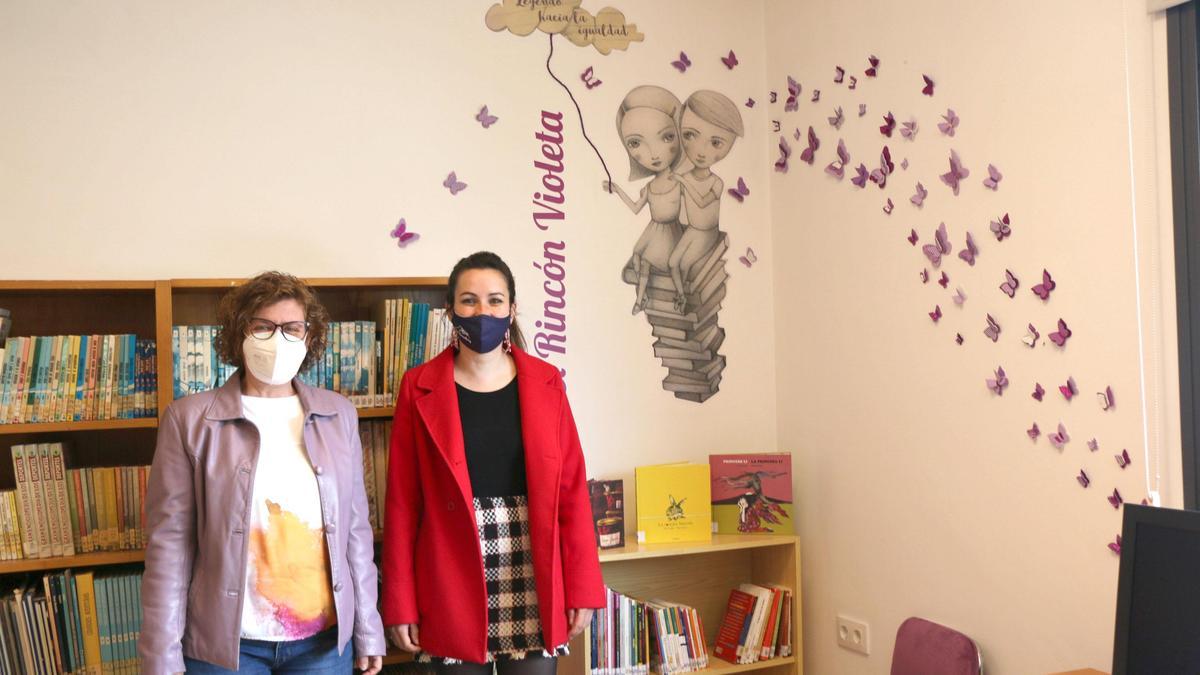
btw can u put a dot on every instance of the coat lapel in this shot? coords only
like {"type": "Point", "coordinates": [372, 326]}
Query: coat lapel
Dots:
{"type": "Point", "coordinates": [438, 408]}
{"type": "Point", "coordinates": [540, 415]}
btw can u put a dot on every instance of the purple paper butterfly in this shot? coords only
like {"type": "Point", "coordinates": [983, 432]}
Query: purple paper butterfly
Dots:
{"type": "Point", "coordinates": [959, 296]}
{"type": "Point", "coordinates": [1115, 499]}
{"type": "Point", "coordinates": [921, 194]}
{"type": "Point", "coordinates": [816, 95]}
{"type": "Point", "coordinates": [683, 63]}
{"type": "Point", "coordinates": [889, 123]}
{"type": "Point", "coordinates": [1059, 337]}
{"type": "Point", "coordinates": [992, 331]}
{"type": "Point", "coordinates": [1123, 460]}
{"type": "Point", "coordinates": [588, 77]}
{"type": "Point", "coordinates": [1038, 391]}
{"type": "Point", "coordinates": [958, 338]}
{"type": "Point", "coordinates": [1059, 438]}
{"type": "Point", "coordinates": [1031, 337]}
{"type": "Point", "coordinates": [998, 384]}
{"type": "Point", "coordinates": [912, 237]}
{"type": "Point", "coordinates": [453, 184]}
{"type": "Point", "coordinates": [1034, 431]}
{"type": "Point", "coordinates": [741, 191]}
{"type": "Point", "coordinates": [749, 259]}
{"type": "Point", "coordinates": [928, 88]}
{"type": "Point", "coordinates": [749, 103]}
{"type": "Point", "coordinates": [1043, 289]}
{"type": "Point", "coordinates": [874, 61]}
{"type": "Point", "coordinates": [936, 313]}
{"type": "Point", "coordinates": [993, 179]}
{"type": "Point", "coordinates": [924, 276]}
{"type": "Point", "coordinates": [853, 83]}
{"type": "Point", "coordinates": [401, 234]}
{"type": "Point", "coordinates": [886, 167]}
{"type": "Point", "coordinates": [1106, 399]}
{"type": "Point", "coordinates": [1010, 284]}
{"type": "Point", "coordinates": [1068, 390]}
{"type": "Point", "coordinates": [950, 125]}
{"type": "Point", "coordinates": [968, 254]}
{"type": "Point", "coordinates": [887, 208]}
{"type": "Point", "coordinates": [956, 174]}
{"type": "Point", "coordinates": [863, 175]}
{"type": "Point", "coordinates": [838, 118]}
{"type": "Point", "coordinates": [487, 119]}
{"type": "Point", "coordinates": [1083, 478]}
{"type": "Point", "coordinates": [730, 61]}
{"type": "Point", "coordinates": [944, 281]}
{"type": "Point", "coordinates": [1093, 445]}
{"type": "Point", "coordinates": [785, 151]}
{"type": "Point", "coordinates": [1115, 545]}
{"type": "Point", "coordinates": [909, 130]}
{"type": "Point", "coordinates": [1001, 228]}
{"type": "Point", "coordinates": [862, 109]}
{"type": "Point", "coordinates": [838, 74]}
{"type": "Point", "coordinates": [793, 100]}
{"type": "Point", "coordinates": [808, 154]}
{"type": "Point", "coordinates": [838, 166]}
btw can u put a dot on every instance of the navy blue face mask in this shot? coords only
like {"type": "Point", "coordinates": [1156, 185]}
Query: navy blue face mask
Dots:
{"type": "Point", "coordinates": [480, 333]}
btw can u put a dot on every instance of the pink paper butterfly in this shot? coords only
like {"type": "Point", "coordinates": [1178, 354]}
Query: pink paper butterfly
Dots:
{"type": "Point", "coordinates": [919, 197]}
{"type": "Point", "coordinates": [959, 296]}
{"type": "Point", "coordinates": [936, 313]}
{"type": "Point", "coordinates": [1115, 545]}
{"type": "Point", "coordinates": [454, 185]}
{"type": "Point", "coordinates": [838, 166]}
{"type": "Point", "coordinates": [793, 100]}
{"type": "Point", "coordinates": [1106, 399]}
{"type": "Point", "coordinates": [1034, 431]}
{"type": "Point", "coordinates": [853, 83]}
{"type": "Point", "coordinates": [928, 88]}
{"type": "Point", "coordinates": [939, 248]}
{"type": "Point", "coordinates": [730, 61]}
{"type": "Point", "coordinates": [401, 234]}
{"type": "Point", "coordinates": [909, 130]}
{"type": "Point", "coordinates": [749, 259]}
{"type": "Point", "coordinates": [861, 179]}
{"type": "Point", "coordinates": [1031, 337]}
{"type": "Point", "coordinates": [862, 109]}
{"type": "Point", "coordinates": [1069, 389]}
{"type": "Point", "coordinates": [944, 282]}
{"type": "Point", "coordinates": [1043, 289]}
{"type": "Point", "coordinates": [809, 153]}
{"type": "Point", "coordinates": [1123, 459]}
{"type": "Point", "coordinates": [958, 338]}
{"type": "Point", "coordinates": [1038, 391]}
{"type": "Point", "coordinates": [956, 174]}
{"type": "Point", "coordinates": [1059, 438]}
{"type": "Point", "coordinates": [998, 384]}
{"type": "Point", "coordinates": [889, 123]}
{"type": "Point", "coordinates": [741, 191]}
{"type": "Point", "coordinates": [1083, 478]}
{"type": "Point", "coordinates": [887, 208]}
{"type": "Point", "coordinates": [1010, 284]}
{"type": "Point", "coordinates": [749, 103]}
{"type": "Point", "coordinates": [904, 164]}
{"type": "Point", "coordinates": [924, 276]}
{"type": "Point", "coordinates": [968, 254]}
{"type": "Point", "coordinates": [992, 331]}
{"type": "Point", "coordinates": [874, 61]}
{"type": "Point", "coordinates": [683, 63]}
{"type": "Point", "coordinates": [1001, 228]}
{"type": "Point", "coordinates": [951, 124]}
{"type": "Point", "coordinates": [838, 118]}
{"type": "Point", "coordinates": [838, 74]}
{"type": "Point", "coordinates": [796, 133]}
{"type": "Point", "coordinates": [487, 119]}
{"type": "Point", "coordinates": [816, 95]}
{"type": "Point", "coordinates": [1059, 337]}
{"type": "Point", "coordinates": [589, 78]}
{"type": "Point", "coordinates": [1093, 445]}
{"type": "Point", "coordinates": [785, 151]}
{"type": "Point", "coordinates": [913, 238]}
{"type": "Point", "coordinates": [1115, 499]}
{"type": "Point", "coordinates": [993, 179]}
{"type": "Point", "coordinates": [886, 167]}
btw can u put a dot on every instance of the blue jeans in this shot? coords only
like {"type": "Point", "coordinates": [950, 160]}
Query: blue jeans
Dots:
{"type": "Point", "coordinates": [316, 654]}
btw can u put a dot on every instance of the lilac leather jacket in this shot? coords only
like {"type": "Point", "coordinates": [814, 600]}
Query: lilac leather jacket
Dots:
{"type": "Point", "coordinates": [198, 514]}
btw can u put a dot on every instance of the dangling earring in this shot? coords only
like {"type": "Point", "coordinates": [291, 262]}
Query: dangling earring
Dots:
{"type": "Point", "coordinates": [454, 337]}
{"type": "Point", "coordinates": [507, 344]}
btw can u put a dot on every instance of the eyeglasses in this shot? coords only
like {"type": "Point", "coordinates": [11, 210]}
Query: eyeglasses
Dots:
{"type": "Point", "coordinates": [264, 329]}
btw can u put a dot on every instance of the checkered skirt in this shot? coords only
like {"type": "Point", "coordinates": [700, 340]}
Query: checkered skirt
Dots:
{"type": "Point", "coordinates": [514, 629]}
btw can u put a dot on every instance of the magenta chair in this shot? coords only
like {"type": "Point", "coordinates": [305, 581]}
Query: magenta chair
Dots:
{"type": "Point", "coordinates": [926, 648]}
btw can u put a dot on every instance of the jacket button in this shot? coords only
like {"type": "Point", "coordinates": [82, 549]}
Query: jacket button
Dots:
{"type": "Point", "coordinates": [330, 527]}
{"type": "Point", "coordinates": [337, 588]}
{"type": "Point", "coordinates": [317, 469]}
{"type": "Point", "coordinates": [450, 505]}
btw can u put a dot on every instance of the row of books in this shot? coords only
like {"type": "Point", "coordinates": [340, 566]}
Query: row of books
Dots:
{"type": "Point", "coordinates": [413, 333]}
{"type": "Point", "coordinates": [633, 637]}
{"type": "Point", "coordinates": [376, 437]}
{"type": "Point", "coordinates": [64, 378]}
{"type": "Point", "coordinates": [757, 624]}
{"type": "Point", "coordinates": [72, 622]}
{"type": "Point", "coordinates": [56, 511]}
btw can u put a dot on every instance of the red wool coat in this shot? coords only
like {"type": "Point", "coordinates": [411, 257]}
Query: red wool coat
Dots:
{"type": "Point", "coordinates": [432, 567]}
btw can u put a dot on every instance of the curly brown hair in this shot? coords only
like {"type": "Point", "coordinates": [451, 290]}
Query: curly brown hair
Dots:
{"type": "Point", "coordinates": [239, 305]}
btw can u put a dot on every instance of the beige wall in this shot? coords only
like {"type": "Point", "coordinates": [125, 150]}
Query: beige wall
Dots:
{"type": "Point", "coordinates": [919, 491]}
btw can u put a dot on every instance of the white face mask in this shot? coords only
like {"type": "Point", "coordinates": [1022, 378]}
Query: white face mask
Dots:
{"type": "Point", "coordinates": [274, 361]}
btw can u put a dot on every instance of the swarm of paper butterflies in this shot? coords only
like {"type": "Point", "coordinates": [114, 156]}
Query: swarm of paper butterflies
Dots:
{"type": "Point", "coordinates": [943, 256]}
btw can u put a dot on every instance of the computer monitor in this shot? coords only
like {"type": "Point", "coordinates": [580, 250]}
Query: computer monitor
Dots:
{"type": "Point", "coordinates": [1158, 593]}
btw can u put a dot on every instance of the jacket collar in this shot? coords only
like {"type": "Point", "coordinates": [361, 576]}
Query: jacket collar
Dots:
{"type": "Point", "coordinates": [227, 401]}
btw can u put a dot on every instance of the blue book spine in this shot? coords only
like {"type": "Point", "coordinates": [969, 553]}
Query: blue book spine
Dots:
{"type": "Point", "coordinates": [177, 375]}
{"type": "Point", "coordinates": [81, 376]}
{"type": "Point", "coordinates": [128, 370]}
{"type": "Point", "coordinates": [103, 623]}
{"type": "Point", "coordinates": [137, 613]}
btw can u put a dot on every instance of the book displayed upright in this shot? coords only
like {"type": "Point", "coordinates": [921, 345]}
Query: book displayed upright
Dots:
{"type": "Point", "coordinates": [673, 503]}
{"type": "Point", "coordinates": [752, 493]}
{"type": "Point", "coordinates": [608, 512]}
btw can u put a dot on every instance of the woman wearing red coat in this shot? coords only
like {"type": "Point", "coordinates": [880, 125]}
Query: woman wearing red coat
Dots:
{"type": "Point", "coordinates": [489, 554]}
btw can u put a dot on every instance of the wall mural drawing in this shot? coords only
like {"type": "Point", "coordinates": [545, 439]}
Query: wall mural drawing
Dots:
{"type": "Point", "coordinates": [678, 265]}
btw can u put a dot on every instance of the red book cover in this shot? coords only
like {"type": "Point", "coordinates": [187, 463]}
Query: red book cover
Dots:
{"type": "Point", "coordinates": [730, 632]}
{"type": "Point", "coordinates": [768, 641]}
{"type": "Point", "coordinates": [752, 493]}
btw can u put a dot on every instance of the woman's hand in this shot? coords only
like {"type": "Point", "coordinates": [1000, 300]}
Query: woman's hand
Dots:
{"type": "Point", "coordinates": [369, 664]}
{"type": "Point", "coordinates": [578, 620]}
{"type": "Point", "coordinates": [405, 636]}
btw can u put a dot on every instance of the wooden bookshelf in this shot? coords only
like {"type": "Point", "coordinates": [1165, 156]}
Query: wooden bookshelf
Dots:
{"type": "Point", "coordinates": [81, 560]}
{"type": "Point", "coordinates": [90, 425]}
{"type": "Point", "coordinates": [701, 574]}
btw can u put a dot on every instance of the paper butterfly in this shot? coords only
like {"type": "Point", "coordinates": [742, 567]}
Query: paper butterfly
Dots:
{"type": "Point", "coordinates": [590, 80]}
{"type": "Point", "coordinates": [775, 125]}
{"type": "Point", "coordinates": [1059, 438]}
{"type": "Point", "coordinates": [998, 384]}
{"type": "Point", "coordinates": [951, 124]}
{"type": "Point", "coordinates": [402, 236]}
{"type": "Point", "coordinates": [887, 208]}
{"type": "Point", "coordinates": [741, 191]}
{"type": "Point", "coordinates": [838, 167]}
{"type": "Point", "coordinates": [749, 259]}
{"type": "Point", "coordinates": [1034, 431]}
{"type": "Point", "coordinates": [959, 296]}
{"type": "Point", "coordinates": [1001, 228]}
{"type": "Point", "coordinates": [909, 130]}
{"type": "Point", "coordinates": [958, 338]}
{"type": "Point", "coordinates": [939, 248]}
{"type": "Point", "coordinates": [944, 281]}
{"type": "Point", "coordinates": [1031, 337]}
{"type": "Point", "coordinates": [749, 103]}
{"type": "Point", "coordinates": [1038, 391]}
{"type": "Point", "coordinates": [1043, 289]}
{"type": "Point", "coordinates": [730, 61]}
{"type": "Point", "coordinates": [1083, 478]}
{"type": "Point", "coordinates": [1010, 284]}
{"type": "Point", "coordinates": [1093, 445]}
{"type": "Point", "coordinates": [809, 153]}
{"type": "Point", "coordinates": [924, 276]}
{"type": "Point", "coordinates": [1059, 337]}
{"type": "Point", "coordinates": [861, 179]}
{"type": "Point", "coordinates": [904, 164]}
{"type": "Point", "coordinates": [1115, 545]}
{"type": "Point", "coordinates": [913, 238]}
{"type": "Point", "coordinates": [838, 74]}
{"type": "Point", "coordinates": [683, 63]}
{"type": "Point", "coordinates": [921, 194]}
{"type": "Point", "coordinates": [1123, 459]}
{"type": "Point", "coordinates": [968, 254]}
{"type": "Point", "coordinates": [816, 95]}
{"type": "Point", "coordinates": [796, 133]}
{"type": "Point", "coordinates": [793, 101]}
{"type": "Point", "coordinates": [485, 118]}
{"type": "Point", "coordinates": [936, 313]}
{"type": "Point", "coordinates": [838, 118]}
{"type": "Point", "coordinates": [785, 151]}
{"type": "Point", "coordinates": [874, 61]}
{"type": "Point", "coordinates": [889, 123]}
{"type": "Point", "coordinates": [956, 174]}
{"type": "Point", "coordinates": [1106, 399]}
{"type": "Point", "coordinates": [862, 109]}
{"type": "Point", "coordinates": [993, 179]}
{"type": "Point", "coordinates": [454, 185]}
{"type": "Point", "coordinates": [928, 88]}
{"type": "Point", "coordinates": [1115, 499]}
{"type": "Point", "coordinates": [1069, 389]}
{"type": "Point", "coordinates": [993, 329]}
{"type": "Point", "coordinates": [853, 83]}
{"type": "Point", "coordinates": [774, 96]}
{"type": "Point", "coordinates": [886, 167]}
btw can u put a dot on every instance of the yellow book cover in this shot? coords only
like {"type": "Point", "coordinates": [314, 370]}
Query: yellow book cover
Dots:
{"type": "Point", "coordinates": [85, 585]}
{"type": "Point", "coordinates": [673, 503]}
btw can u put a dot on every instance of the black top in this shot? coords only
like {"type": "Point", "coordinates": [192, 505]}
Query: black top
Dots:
{"type": "Point", "coordinates": [491, 424]}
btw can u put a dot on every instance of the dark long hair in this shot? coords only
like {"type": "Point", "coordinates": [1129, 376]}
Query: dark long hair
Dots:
{"type": "Point", "coordinates": [486, 260]}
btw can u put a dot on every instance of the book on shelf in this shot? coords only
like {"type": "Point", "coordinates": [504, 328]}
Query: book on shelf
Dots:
{"type": "Point", "coordinates": [618, 637]}
{"type": "Point", "coordinates": [375, 436]}
{"type": "Point", "coordinates": [756, 625]}
{"type": "Point", "coordinates": [673, 503]}
{"type": "Point", "coordinates": [608, 512]}
{"type": "Point", "coordinates": [752, 493]}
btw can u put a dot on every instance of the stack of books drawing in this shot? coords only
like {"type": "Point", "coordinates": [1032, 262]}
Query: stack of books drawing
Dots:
{"type": "Point", "coordinates": [687, 342]}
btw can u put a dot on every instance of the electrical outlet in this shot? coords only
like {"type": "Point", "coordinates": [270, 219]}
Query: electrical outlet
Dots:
{"type": "Point", "coordinates": [853, 635]}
